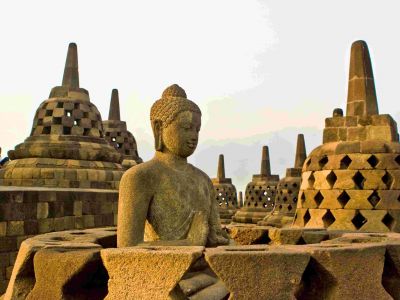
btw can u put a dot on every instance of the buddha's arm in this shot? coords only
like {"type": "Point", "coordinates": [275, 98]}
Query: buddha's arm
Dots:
{"type": "Point", "coordinates": [133, 204]}
{"type": "Point", "coordinates": [217, 236]}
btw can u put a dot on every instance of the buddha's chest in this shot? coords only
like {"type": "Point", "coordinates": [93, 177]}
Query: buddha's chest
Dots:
{"type": "Point", "coordinates": [180, 194]}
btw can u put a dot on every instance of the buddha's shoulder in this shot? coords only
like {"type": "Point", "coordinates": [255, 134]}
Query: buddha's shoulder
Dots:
{"type": "Point", "coordinates": [200, 173]}
{"type": "Point", "coordinates": [143, 171]}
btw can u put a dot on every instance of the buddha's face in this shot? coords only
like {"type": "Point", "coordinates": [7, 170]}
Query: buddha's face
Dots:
{"type": "Point", "coordinates": [180, 137]}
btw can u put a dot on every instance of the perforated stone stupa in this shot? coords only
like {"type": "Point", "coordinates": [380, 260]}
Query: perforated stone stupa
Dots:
{"type": "Point", "coordinates": [260, 193]}
{"type": "Point", "coordinates": [66, 147]}
{"type": "Point", "coordinates": [225, 192]}
{"type": "Point", "coordinates": [117, 134]}
{"type": "Point", "coordinates": [288, 191]}
{"type": "Point", "coordinates": [352, 181]}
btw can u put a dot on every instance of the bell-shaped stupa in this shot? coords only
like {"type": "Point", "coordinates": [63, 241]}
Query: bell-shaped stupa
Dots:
{"type": "Point", "coordinates": [352, 181]}
{"type": "Point", "coordinates": [288, 191]}
{"type": "Point", "coordinates": [66, 148]}
{"type": "Point", "coordinates": [260, 194]}
{"type": "Point", "coordinates": [117, 134]}
{"type": "Point", "coordinates": [225, 192]}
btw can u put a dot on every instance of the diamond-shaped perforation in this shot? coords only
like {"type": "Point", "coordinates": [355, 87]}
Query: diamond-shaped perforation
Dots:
{"type": "Point", "coordinates": [389, 221]}
{"type": "Point", "coordinates": [359, 180]}
{"type": "Point", "coordinates": [328, 219]}
{"type": "Point", "coordinates": [345, 162]}
{"type": "Point", "coordinates": [374, 198]}
{"type": "Point", "coordinates": [306, 217]}
{"type": "Point", "coordinates": [387, 179]}
{"type": "Point", "coordinates": [303, 198]}
{"type": "Point", "coordinates": [331, 178]}
{"type": "Point", "coordinates": [289, 207]}
{"type": "Point", "coordinates": [323, 161]}
{"type": "Point", "coordinates": [318, 198]}
{"type": "Point", "coordinates": [308, 162]}
{"type": "Point", "coordinates": [311, 181]}
{"type": "Point", "coordinates": [343, 199]}
{"type": "Point", "coordinates": [358, 220]}
{"type": "Point", "coordinates": [373, 161]}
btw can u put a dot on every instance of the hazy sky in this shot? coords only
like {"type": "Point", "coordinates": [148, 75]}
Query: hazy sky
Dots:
{"type": "Point", "coordinates": [261, 71]}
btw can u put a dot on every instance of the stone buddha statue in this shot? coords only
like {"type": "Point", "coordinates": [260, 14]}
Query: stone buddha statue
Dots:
{"type": "Point", "coordinates": [167, 201]}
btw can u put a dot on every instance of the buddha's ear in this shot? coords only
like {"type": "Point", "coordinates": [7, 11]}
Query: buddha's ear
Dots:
{"type": "Point", "coordinates": [157, 130]}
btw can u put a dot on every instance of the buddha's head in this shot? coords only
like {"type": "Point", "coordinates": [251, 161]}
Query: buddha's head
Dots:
{"type": "Point", "coordinates": [176, 122]}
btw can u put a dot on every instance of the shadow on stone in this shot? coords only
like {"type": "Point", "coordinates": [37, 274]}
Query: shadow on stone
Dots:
{"type": "Point", "coordinates": [391, 277]}
{"type": "Point", "coordinates": [316, 283]}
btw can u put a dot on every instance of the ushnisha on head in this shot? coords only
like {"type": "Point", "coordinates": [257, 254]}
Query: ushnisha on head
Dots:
{"type": "Point", "coordinates": [176, 122]}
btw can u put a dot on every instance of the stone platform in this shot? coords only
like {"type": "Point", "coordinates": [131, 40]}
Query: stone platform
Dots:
{"type": "Point", "coordinates": [28, 211]}
{"type": "Point", "coordinates": [290, 263]}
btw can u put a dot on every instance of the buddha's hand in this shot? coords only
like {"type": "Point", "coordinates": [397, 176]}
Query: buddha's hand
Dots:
{"type": "Point", "coordinates": [199, 229]}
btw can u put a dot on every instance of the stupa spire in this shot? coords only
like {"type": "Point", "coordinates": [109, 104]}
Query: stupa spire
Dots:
{"type": "Point", "coordinates": [114, 113]}
{"type": "Point", "coordinates": [300, 152]}
{"type": "Point", "coordinates": [71, 74]}
{"type": "Point", "coordinates": [361, 97]}
{"type": "Point", "coordinates": [221, 167]}
{"type": "Point", "coordinates": [265, 163]}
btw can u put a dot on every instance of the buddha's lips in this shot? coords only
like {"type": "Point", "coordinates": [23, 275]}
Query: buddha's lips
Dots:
{"type": "Point", "coordinates": [192, 145]}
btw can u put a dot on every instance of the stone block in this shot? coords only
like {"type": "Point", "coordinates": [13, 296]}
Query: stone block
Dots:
{"type": "Point", "coordinates": [77, 208]}
{"type": "Point", "coordinates": [316, 220]}
{"type": "Point", "coordinates": [246, 235]}
{"type": "Point", "coordinates": [15, 228]}
{"type": "Point", "coordinates": [330, 199]}
{"type": "Point", "coordinates": [59, 224]}
{"type": "Point", "coordinates": [88, 221]}
{"type": "Point", "coordinates": [373, 180]}
{"type": "Point", "coordinates": [158, 269]}
{"type": "Point", "coordinates": [348, 147]}
{"type": "Point", "coordinates": [358, 199]}
{"type": "Point", "coordinates": [343, 219]}
{"type": "Point", "coordinates": [344, 272]}
{"type": "Point", "coordinates": [3, 229]}
{"type": "Point", "coordinates": [356, 133]}
{"type": "Point", "coordinates": [395, 175]}
{"type": "Point", "coordinates": [383, 133]}
{"type": "Point", "coordinates": [388, 199]}
{"type": "Point", "coordinates": [285, 236]}
{"type": "Point", "coordinates": [74, 273]}
{"type": "Point", "coordinates": [251, 272]}
{"type": "Point", "coordinates": [373, 146]}
{"type": "Point", "coordinates": [45, 225]}
{"type": "Point", "coordinates": [334, 122]}
{"type": "Point", "coordinates": [374, 221]}
{"type": "Point", "coordinates": [31, 227]}
{"type": "Point", "coordinates": [321, 182]}
{"type": "Point", "coordinates": [391, 271]}
{"type": "Point", "coordinates": [69, 222]}
{"type": "Point", "coordinates": [8, 244]}
{"type": "Point", "coordinates": [42, 210]}
{"type": "Point", "coordinates": [307, 199]}
{"type": "Point", "coordinates": [4, 259]}
{"type": "Point", "coordinates": [330, 134]}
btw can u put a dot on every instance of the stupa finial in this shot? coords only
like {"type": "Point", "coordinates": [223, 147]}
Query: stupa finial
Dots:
{"type": "Point", "coordinates": [265, 163]}
{"type": "Point", "coordinates": [361, 97]}
{"type": "Point", "coordinates": [221, 167]}
{"type": "Point", "coordinates": [300, 152]}
{"type": "Point", "coordinates": [71, 73]}
{"type": "Point", "coordinates": [114, 113]}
